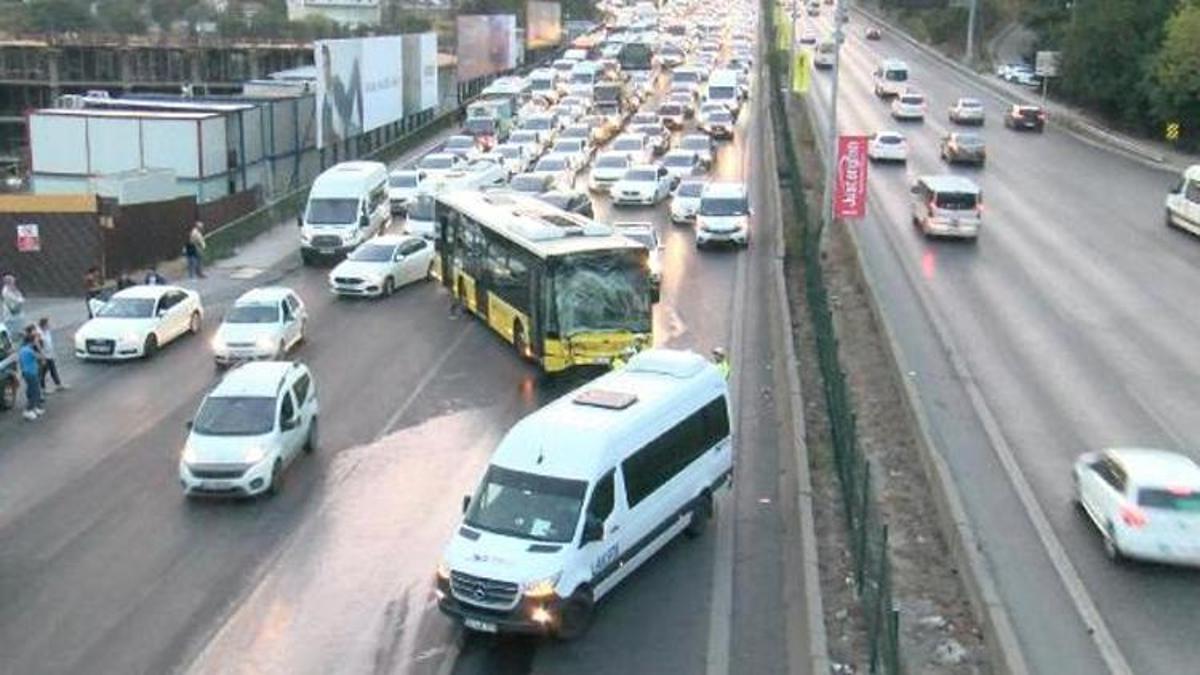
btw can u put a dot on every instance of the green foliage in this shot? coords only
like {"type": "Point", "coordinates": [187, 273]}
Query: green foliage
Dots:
{"type": "Point", "coordinates": [52, 16]}
{"type": "Point", "coordinates": [120, 16]}
{"type": "Point", "coordinates": [1175, 74]}
{"type": "Point", "coordinates": [579, 10]}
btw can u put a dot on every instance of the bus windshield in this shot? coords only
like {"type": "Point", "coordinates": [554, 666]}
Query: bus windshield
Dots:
{"type": "Point", "coordinates": [602, 292]}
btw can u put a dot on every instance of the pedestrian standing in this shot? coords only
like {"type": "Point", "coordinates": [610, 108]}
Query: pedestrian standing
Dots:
{"type": "Point", "coordinates": [30, 364]}
{"type": "Point", "coordinates": [49, 357]}
{"type": "Point", "coordinates": [194, 251]}
{"type": "Point", "coordinates": [92, 284]}
{"type": "Point", "coordinates": [12, 305]}
{"type": "Point", "coordinates": [153, 278]}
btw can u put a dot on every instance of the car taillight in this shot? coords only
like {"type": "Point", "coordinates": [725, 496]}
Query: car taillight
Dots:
{"type": "Point", "coordinates": [1132, 515]}
{"type": "Point", "coordinates": [1042, 116]}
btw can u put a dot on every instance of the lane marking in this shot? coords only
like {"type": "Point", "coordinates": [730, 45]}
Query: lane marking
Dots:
{"type": "Point", "coordinates": [422, 384]}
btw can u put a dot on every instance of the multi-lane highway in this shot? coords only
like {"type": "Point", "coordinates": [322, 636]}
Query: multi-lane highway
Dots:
{"type": "Point", "coordinates": [106, 568]}
{"type": "Point", "coordinates": [1069, 326]}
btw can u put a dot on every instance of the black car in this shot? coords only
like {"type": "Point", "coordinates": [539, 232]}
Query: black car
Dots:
{"type": "Point", "coordinates": [874, 33]}
{"type": "Point", "coordinates": [571, 201]}
{"type": "Point", "coordinates": [1030, 117]}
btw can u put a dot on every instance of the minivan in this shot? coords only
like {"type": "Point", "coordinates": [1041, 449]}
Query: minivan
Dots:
{"type": "Point", "coordinates": [249, 428]}
{"type": "Point", "coordinates": [723, 88]}
{"type": "Point", "coordinates": [947, 206]}
{"type": "Point", "coordinates": [891, 78]}
{"type": "Point", "coordinates": [582, 492]}
{"type": "Point", "coordinates": [347, 205]}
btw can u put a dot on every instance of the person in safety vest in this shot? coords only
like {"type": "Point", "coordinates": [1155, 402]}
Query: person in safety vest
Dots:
{"type": "Point", "coordinates": [721, 361]}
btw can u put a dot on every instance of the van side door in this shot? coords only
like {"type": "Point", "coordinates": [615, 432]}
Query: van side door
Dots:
{"type": "Point", "coordinates": [291, 429]}
{"type": "Point", "coordinates": [603, 557]}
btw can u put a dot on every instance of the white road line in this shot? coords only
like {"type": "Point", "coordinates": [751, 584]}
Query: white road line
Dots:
{"type": "Point", "coordinates": [423, 383]}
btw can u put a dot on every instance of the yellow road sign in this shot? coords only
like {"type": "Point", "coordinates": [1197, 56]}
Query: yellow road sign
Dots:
{"type": "Point", "coordinates": [1173, 131]}
{"type": "Point", "coordinates": [801, 71]}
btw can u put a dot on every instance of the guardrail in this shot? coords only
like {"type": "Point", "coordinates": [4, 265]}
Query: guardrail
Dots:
{"type": "Point", "coordinates": [868, 531]}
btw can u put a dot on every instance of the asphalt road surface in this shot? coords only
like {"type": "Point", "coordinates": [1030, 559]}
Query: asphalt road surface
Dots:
{"type": "Point", "coordinates": [106, 568]}
{"type": "Point", "coordinates": [1076, 319]}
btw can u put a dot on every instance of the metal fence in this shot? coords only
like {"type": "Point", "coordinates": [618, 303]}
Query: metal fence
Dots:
{"type": "Point", "coordinates": [860, 507]}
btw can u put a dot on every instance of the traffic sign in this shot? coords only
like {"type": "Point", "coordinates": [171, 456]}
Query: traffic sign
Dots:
{"type": "Point", "coordinates": [1045, 64]}
{"type": "Point", "coordinates": [29, 240]}
{"type": "Point", "coordinates": [1172, 131]}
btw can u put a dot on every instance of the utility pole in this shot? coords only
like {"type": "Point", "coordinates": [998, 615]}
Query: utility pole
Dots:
{"type": "Point", "coordinates": [970, 54]}
{"type": "Point", "coordinates": [839, 36]}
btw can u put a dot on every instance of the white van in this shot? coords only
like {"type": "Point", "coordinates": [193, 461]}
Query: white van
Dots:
{"type": "Point", "coordinates": [1183, 203]}
{"type": "Point", "coordinates": [825, 54]}
{"type": "Point", "coordinates": [583, 491]}
{"type": "Point", "coordinates": [723, 88]}
{"type": "Point", "coordinates": [947, 206]}
{"type": "Point", "coordinates": [891, 78]}
{"type": "Point", "coordinates": [347, 205]}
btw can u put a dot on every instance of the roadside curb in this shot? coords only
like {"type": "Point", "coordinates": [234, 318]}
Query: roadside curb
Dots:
{"type": "Point", "coordinates": [1072, 122]}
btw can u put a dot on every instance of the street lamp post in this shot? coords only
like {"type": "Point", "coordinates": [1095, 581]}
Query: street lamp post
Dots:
{"type": "Point", "coordinates": [839, 37]}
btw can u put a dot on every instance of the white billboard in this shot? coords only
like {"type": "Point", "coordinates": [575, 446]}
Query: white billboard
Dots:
{"type": "Point", "coordinates": [420, 72]}
{"type": "Point", "coordinates": [487, 43]}
{"type": "Point", "coordinates": [543, 24]}
{"type": "Point", "coordinates": [360, 86]}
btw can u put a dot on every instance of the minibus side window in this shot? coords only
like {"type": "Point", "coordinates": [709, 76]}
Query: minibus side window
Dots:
{"type": "Point", "coordinates": [601, 505]}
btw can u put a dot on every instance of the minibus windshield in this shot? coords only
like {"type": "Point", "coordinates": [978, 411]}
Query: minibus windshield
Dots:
{"type": "Point", "coordinates": [331, 211]}
{"type": "Point", "coordinates": [527, 505]}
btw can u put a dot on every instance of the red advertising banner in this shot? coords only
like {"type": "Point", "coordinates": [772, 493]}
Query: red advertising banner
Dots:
{"type": "Point", "coordinates": [850, 179]}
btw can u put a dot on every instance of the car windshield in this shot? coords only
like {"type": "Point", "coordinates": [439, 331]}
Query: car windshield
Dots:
{"type": "Point", "coordinates": [912, 100]}
{"type": "Point", "coordinates": [723, 206]}
{"type": "Point", "coordinates": [643, 118]}
{"type": "Point", "coordinates": [720, 116]}
{"type": "Point", "coordinates": [970, 141]}
{"type": "Point", "coordinates": [955, 201]}
{"type": "Point", "coordinates": [721, 92]}
{"type": "Point", "coordinates": [641, 236]}
{"type": "Point", "coordinates": [422, 209]}
{"type": "Point", "coordinates": [685, 77]}
{"type": "Point", "coordinates": [235, 416]}
{"type": "Point", "coordinates": [524, 137]}
{"type": "Point", "coordinates": [890, 140]}
{"type": "Point", "coordinates": [627, 144]}
{"type": "Point", "coordinates": [128, 308]}
{"type": "Point", "coordinates": [460, 142]}
{"type": "Point", "coordinates": [372, 253]}
{"type": "Point", "coordinates": [969, 103]}
{"type": "Point", "coordinates": [575, 133]}
{"type": "Point", "coordinates": [480, 125]}
{"type": "Point", "coordinates": [679, 160]}
{"type": "Point", "coordinates": [568, 145]}
{"type": "Point", "coordinates": [509, 151]}
{"type": "Point", "coordinates": [670, 110]}
{"type": "Point", "coordinates": [436, 163]}
{"type": "Point", "coordinates": [253, 314]}
{"type": "Point", "coordinates": [527, 183]}
{"type": "Point", "coordinates": [403, 180]}
{"type": "Point", "coordinates": [689, 189]}
{"type": "Point", "coordinates": [526, 505]}
{"type": "Point", "coordinates": [612, 162]}
{"type": "Point", "coordinates": [695, 143]}
{"type": "Point", "coordinates": [1028, 112]}
{"type": "Point", "coordinates": [552, 164]}
{"type": "Point", "coordinates": [641, 176]}
{"type": "Point", "coordinates": [331, 211]}
{"type": "Point", "coordinates": [896, 75]}
{"type": "Point", "coordinates": [539, 124]}
{"type": "Point", "coordinates": [601, 292]}
{"type": "Point", "coordinates": [1180, 499]}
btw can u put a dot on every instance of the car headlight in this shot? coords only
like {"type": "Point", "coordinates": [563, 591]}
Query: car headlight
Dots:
{"type": "Point", "coordinates": [265, 343]}
{"type": "Point", "coordinates": [189, 454]}
{"type": "Point", "coordinates": [255, 454]}
{"type": "Point", "coordinates": [305, 237]}
{"type": "Point", "coordinates": [541, 588]}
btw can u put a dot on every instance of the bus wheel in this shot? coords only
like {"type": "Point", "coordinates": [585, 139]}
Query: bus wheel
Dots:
{"type": "Point", "coordinates": [702, 512]}
{"type": "Point", "coordinates": [575, 616]}
{"type": "Point", "coordinates": [519, 340]}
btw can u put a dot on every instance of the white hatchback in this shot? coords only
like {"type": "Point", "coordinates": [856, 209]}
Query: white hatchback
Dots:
{"type": "Point", "coordinates": [381, 265]}
{"type": "Point", "coordinates": [137, 321]}
{"type": "Point", "coordinates": [1146, 503]}
{"type": "Point", "coordinates": [264, 323]}
{"type": "Point", "coordinates": [685, 200]}
{"type": "Point", "coordinates": [642, 184]}
{"type": "Point", "coordinates": [887, 146]}
{"type": "Point", "coordinates": [909, 105]}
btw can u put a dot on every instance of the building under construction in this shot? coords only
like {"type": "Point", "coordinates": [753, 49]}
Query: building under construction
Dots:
{"type": "Point", "coordinates": [35, 71]}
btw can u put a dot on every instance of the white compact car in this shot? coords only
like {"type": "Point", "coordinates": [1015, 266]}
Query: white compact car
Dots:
{"type": "Point", "coordinates": [909, 105]}
{"type": "Point", "coordinates": [966, 111]}
{"type": "Point", "coordinates": [381, 265]}
{"type": "Point", "coordinates": [887, 146]}
{"type": "Point", "coordinates": [701, 144]}
{"type": "Point", "coordinates": [575, 148]}
{"type": "Point", "coordinates": [437, 164]}
{"type": "Point", "coordinates": [682, 164]}
{"type": "Point", "coordinates": [685, 200]}
{"type": "Point", "coordinates": [249, 428]}
{"type": "Point", "coordinates": [717, 123]}
{"type": "Point", "coordinates": [1146, 503]}
{"type": "Point", "coordinates": [636, 146]}
{"type": "Point", "coordinates": [723, 216]}
{"type": "Point", "coordinates": [137, 321]}
{"type": "Point", "coordinates": [642, 184]}
{"type": "Point", "coordinates": [1183, 202]}
{"type": "Point", "coordinates": [535, 141]}
{"type": "Point", "coordinates": [560, 167]}
{"type": "Point", "coordinates": [516, 156]}
{"type": "Point", "coordinates": [402, 187]}
{"type": "Point", "coordinates": [264, 323]}
{"type": "Point", "coordinates": [608, 169]}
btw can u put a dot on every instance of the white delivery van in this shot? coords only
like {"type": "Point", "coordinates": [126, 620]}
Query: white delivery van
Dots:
{"type": "Point", "coordinates": [347, 205]}
{"type": "Point", "coordinates": [723, 88]}
{"type": "Point", "coordinates": [1183, 203]}
{"type": "Point", "coordinates": [891, 78]}
{"type": "Point", "coordinates": [583, 491]}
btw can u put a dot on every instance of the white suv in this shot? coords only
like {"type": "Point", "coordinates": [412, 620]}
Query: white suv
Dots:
{"type": "Point", "coordinates": [249, 429]}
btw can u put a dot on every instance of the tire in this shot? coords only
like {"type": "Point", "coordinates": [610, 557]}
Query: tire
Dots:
{"type": "Point", "coordinates": [194, 323]}
{"type": "Point", "coordinates": [8, 393]}
{"type": "Point", "coordinates": [702, 512]}
{"type": "Point", "coordinates": [575, 616]}
{"type": "Point", "coordinates": [310, 441]}
{"type": "Point", "coordinates": [150, 348]}
{"type": "Point", "coordinates": [276, 485]}
{"type": "Point", "coordinates": [429, 272]}
{"type": "Point", "coordinates": [389, 287]}
{"type": "Point", "coordinates": [1111, 550]}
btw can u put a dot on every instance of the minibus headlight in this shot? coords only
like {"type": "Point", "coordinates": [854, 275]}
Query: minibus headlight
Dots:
{"type": "Point", "coordinates": [541, 588]}
{"type": "Point", "coordinates": [443, 570]}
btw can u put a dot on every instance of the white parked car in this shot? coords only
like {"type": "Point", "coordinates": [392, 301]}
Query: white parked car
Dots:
{"type": "Point", "coordinates": [547, 123]}
{"type": "Point", "coordinates": [636, 146]}
{"type": "Point", "coordinates": [909, 105]}
{"type": "Point", "coordinates": [723, 215]}
{"type": "Point", "coordinates": [575, 148]}
{"type": "Point", "coordinates": [440, 163]}
{"type": "Point", "coordinates": [264, 323]}
{"type": "Point", "coordinates": [581, 131]}
{"type": "Point", "coordinates": [249, 428]}
{"type": "Point", "coordinates": [701, 144]}
{"type": "Point", "coordinates": [467, 147]}
{"type": "Point", "coordinates": [137, 321]}
{"type": "Point", "coordinates": [608, 169]}
{"type": "Point", "coordinates": [381, 265]}
{"type": "Point", "coordinates": [535, 141]}
{"type": "Point", "coordinates": [1146, 503]}
{"type": "Point", "coordinates": [685, 200]}
{"type": "Point", "coordinates": [402, 187]}
{"type": "Point", "coordinates": [682, 164]}
{"type": "Point", "coordinates": [561, 168]}
{"type": "Point", "coordinates": [642, 184]}
{"type": "Point", "coordinates": [887, 146]}
{"type": "Point", "coordinates": [516, 156]}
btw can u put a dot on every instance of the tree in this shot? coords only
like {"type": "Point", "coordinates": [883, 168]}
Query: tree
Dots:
{"type": "Point", "coordinates": [51, 16]}
{"type": "Point", "coordinates": [1176, 73]}
{"type": "Point", "coordinates": [121, 16]}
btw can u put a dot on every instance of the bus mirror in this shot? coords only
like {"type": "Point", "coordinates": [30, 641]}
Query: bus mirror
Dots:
{"type": "Point", "coordinates": [593, 530]}
{"type": "Point", "coordinates": [364, 221]}
{"type": "Point", "coordinates": [466, 503]}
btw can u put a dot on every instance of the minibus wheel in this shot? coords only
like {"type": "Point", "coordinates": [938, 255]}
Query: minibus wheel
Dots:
{"type": "Point", "coordinates": [575, 616]}
{"type": "Point", "coordinates": [702, 512]}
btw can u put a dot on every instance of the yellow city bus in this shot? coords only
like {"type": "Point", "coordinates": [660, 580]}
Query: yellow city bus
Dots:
{"type": "Point", "coordinates": [564, 290]}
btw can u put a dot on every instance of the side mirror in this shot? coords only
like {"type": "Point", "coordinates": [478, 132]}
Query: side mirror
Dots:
{"type": "Point", "coordinates": [593, 530]}
{"type": "Point", "coordinates": [189, 424]}
{"type": "Point", "coordinates": [289, 424]}
{"type": "Point", "coordinates": [364, 221]}
{"type": "Point", "coordinates": [466, 503]}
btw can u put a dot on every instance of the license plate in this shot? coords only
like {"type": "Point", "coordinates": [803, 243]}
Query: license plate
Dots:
{"type": "Point", "coordinates": [481, 626]}
{"type": "Point", "coordinates": [215, 484]}
{"type": "Point", "coordinates": [99, 349]}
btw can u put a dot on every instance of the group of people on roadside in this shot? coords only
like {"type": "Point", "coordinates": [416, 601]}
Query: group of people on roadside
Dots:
{"type": "Point", "coordinates": [36, 357]}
